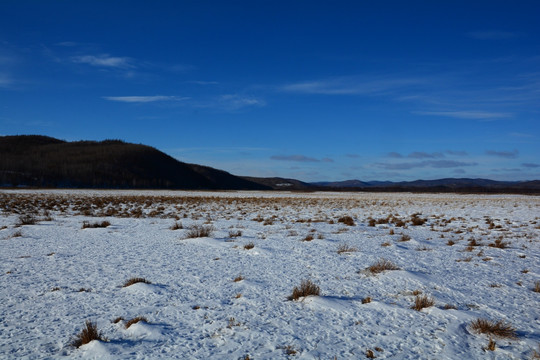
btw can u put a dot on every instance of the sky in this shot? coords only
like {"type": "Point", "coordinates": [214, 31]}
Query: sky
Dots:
{"type": "Point", "coordinates": [311, 90]}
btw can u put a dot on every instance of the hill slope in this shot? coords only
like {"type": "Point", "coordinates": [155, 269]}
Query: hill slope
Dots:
{"type": "Point", "coordinates": [43, 161]}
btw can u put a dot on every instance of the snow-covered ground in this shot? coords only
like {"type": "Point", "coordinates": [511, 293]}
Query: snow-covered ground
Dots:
{"type": "Point", "coordinates": [55, 275]}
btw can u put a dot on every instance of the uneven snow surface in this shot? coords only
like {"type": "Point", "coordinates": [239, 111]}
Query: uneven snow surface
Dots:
{"type": "Point", "coordinates": [57, 271]}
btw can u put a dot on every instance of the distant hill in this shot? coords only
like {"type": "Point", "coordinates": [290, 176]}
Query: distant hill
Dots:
{"type": "Point", "coordinates": [32, 160]}
{"type": "Point", "coordinates": [462, 185]}
{"type": "Point", "coordinates": [342, 184]}
{"type": "Point", "coordinates": [278, 183]}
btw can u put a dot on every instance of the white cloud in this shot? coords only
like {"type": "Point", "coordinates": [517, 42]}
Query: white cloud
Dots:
{"type": "Point", "coordinates": [144, 99]}
{"type": "Point", "coordinates": [474, 115]}
{"type": "Point", "coordinates": [104, 60]}
{"type": "Point", "coordinates": [351, 86]}
{"type": "Point", "coordinates": [5, 81]}
{"type": "Point", "coordinates": [504, 154]}
{"type": "Point", "coordinates": [236, 102]}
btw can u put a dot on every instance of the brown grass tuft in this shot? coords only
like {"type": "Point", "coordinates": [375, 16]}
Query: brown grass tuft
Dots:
{"type": "Point", "coordinates": [344, 248]}
{"type": "Point", "coordinates": [366, 300]}
{"type": "Point", "coordinates": [499, 243]}
{"type": "Point", "coordinates": [491, 346]}
{"type": "Point", "coordinates": [88, 225]}
{"type": "Point", "coordinates": [235, 233]}
{"type": "Point", "coordinates": [382, 265]}
{"type": "Point", "coordinates": [422, 302]}
{"type": "Point", "coordinates": [177, 226]}
{"type": "Point", "coordinates": [405, 238]}
{"type": "Point", "coordinates": [27, 219]}
{"type": "Point", "coordinates": [238, 278]}
{"type": "Point", "coordinates": [135, 320]}
{"type": "Point", "coordinates": [347, 220]}
{"type": "Point", "coordinates": [249, 246]}
{"type": "Point", "coordinates": [198, 231]}
{"type": "Point", "coordinates": [536, 287]}
{"type": "Point", "coordinates": [135, 280]}
{"type": "Point", "coordinates": [309, 237]}
{"type": "Point", "coordinates": [500, 328]}
{"type": "Point", "coordinates": [88, 333]}
{"type": "Point", "coordinates": [117, 320]}
{"type": "Point", "coordinates": [306, 288]}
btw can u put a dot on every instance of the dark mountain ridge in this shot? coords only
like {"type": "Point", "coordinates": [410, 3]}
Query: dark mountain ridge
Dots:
{"type": "Point", "coordinates": [33, 160]}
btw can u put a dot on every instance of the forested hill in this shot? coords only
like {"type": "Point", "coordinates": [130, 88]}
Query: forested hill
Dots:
{"type": "Point", "coordinates": [32, 160]}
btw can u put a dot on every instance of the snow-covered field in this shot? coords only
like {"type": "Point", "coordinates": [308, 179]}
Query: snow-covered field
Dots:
{"type": "Point", "coordinates": [213, 297]}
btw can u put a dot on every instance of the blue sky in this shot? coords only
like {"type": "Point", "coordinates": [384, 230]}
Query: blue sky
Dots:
{"type": "Point", "coordinates": [313, 90]}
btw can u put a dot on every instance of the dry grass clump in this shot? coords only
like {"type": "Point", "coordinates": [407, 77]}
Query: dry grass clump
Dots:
{"type": "Point", "coordinates": [417, 221]}
{"type": "Point", "coordinates": [500, 328]}
{"type": "Point", "coordinates": [347, 220]}
{"type": "Point", "coordinates": [177, 226]}
{"type": "Point", "coordinates": [405, 237]}
{"type": "Point", "coordinates": [308, 237]}
{"type": "Point", "coordinates": [88, 333]}
{"type": "Point", "coordinates": [491, 346]}
{"type": "Point", "coordinates": [117, 320]}
{"type": "Point", "coordinates": [422, 302]}
{"type": "Point", "coordinates": [135, 320]}
{"type": "Point", "coordinates": [537, 287]}
{"type": "Point", "coordinates": [135, 280]}
{"type": "Point", "coordinates": [366, 300]}
{"type": "Point", "coordinates": [306, 288]}
{"type": "Point", "coordinates": [344, 248]}
{"type": "Point", "coordinates": [27, 219]}
{"type": "Point", "coordinates": [88, 225]}
{"type": "Point", "coordinates": [382, 265]}
{"type": "Point", "coordinates": [249, 246]}
{"type": "Point", "coordinates": [198, 231]}
{"type": "Point", "coordinates": [499, 243]}
{"type": "Point", "coordinates": [238, 278]}
{"type": "Point", "coordinates": [235, 233]}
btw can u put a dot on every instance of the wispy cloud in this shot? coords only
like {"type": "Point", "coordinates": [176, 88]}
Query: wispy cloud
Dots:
{"type": "Point", "coordinates": [5, 81]}
{"type": "Point", "coordinates": [438, 164]}
{"type": "Point", "coordinates": [104, 60]}
{"type": "Point", "coordinates": [299, 158]}
{"type": "Point", "coordinates": [492, 35]}
{"type": "Point", "coordinates": [351, 85]}
{"type": "Point", "coordinates": [503, 154]}
{"type": "Point", "coordinates": [67, 43]}
{"type": "Point", "coordinates": [233, 102]}
{"type": "Point", "coordinates": [473, 115]}
{"type": "Point", "coordinates": [531, 165]}
{"type": "Point", "coordinates": [144, 99]}
{"type": "Point", "coordinates": [416, 155]}
{"type": "Point", "coordinates": [199, 82]}
{"type": "Point", "coordinates": [424, 155]}
{"type": "Point", "coordinates": [457, 153]}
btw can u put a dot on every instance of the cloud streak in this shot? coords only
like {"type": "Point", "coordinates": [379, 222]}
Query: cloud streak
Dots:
{"type": "Point", "coordinates": [503, 154]}
{"type": "Point", "coordinates": [473, 115]}
{"type": "Point", "coordinates": [299, 158]}
{"type": "Point", "coordinates": [104, 60]}
{"type": "Point", "coordinates": [144, 99]}
{"type": "Point", "coordinates": [351, 85]}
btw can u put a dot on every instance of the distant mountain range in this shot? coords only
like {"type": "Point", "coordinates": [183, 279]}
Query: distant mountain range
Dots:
{"type": "Point", "coordinates": [41, 161]}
